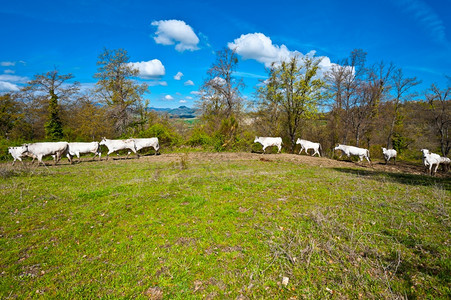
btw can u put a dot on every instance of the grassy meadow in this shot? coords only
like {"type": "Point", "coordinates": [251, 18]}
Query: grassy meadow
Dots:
{"type": "Point", "coordinates": [222, 226]}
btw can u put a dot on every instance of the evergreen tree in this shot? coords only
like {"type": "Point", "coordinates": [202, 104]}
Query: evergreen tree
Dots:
{"type": "Point", "coordinates": [54, 127]}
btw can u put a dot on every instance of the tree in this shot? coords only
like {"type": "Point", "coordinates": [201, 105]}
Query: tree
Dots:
{"type": "Point", "coordinates": [117, 89]}
{"type": "Point", "coordinates": [357, 92]}
{"type": "Point", "coordinates": [401, 88]}
{"type": "Point", "coordinates": [294, 90]}
{"type": "Point", "coordinates": [343, 80]}
{"type": "Point", "coordinates": [221, 91]}
{"type": "Point", "coordinates": [54, 127]}
{"type": "Point", "coordinates": [220, 102]}
{"type": "Point", "coordinates": [46, 92]}
{"type": "Point", "coordinates": [370, 91]}
{"type": "Point", "coordinates": [440, 105]}
{"type": "Point", "coordinates": [88, 120]}
{"type": "Point", "coordinates": [10, 114]}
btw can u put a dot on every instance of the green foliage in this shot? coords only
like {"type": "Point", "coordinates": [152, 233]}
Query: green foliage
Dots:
{"type": "Point", "coordinates": [10, 114]}
{"type": "Point", "coordinates": [400, 142]}
{"type": "Point", "coordinates": [54, 127]}
{"type": "Point", "coordinates": [199, 138]}
{"type": "Point", "coordinates": [4, 144]}
{"type": "Point", "coordinates": [165, 134]}
{"type": "Point", "coordinates": [294, 92]}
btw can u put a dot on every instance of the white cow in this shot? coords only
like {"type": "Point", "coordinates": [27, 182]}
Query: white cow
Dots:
{"type": "Point", "coordinates": [445, 162]}
{"type": "Point", "coordinates": [40, 150]}
{"type": "Point", "coordinates": [17, 153]}
{"type": "Point", "coordinates": [429, 160]}
{"type": "Point", "coordinates": [75, 149]}
{"type": "Point", "coordinates": [116, 145]}
{"type": "Point", "coordinates": [309, 145]}
{"type": "Point", "coordinates": [269, 141]}
{"type": "Point", "coordinates": [355, 151]}
{"type": "Point", "coordinates": [146, 143]}
{"type": "Point", "coordinates": [389, 153]}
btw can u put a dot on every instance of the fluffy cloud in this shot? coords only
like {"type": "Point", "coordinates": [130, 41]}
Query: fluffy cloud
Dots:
{"type": "Point", "coordinates": [168, 97]}
{"type": "Point", "coordinates": [7, 63]}
{"type": "Point", "coordinates": [8, 87]}
{"type": "Point", "coordinates": [178, 76]}
{"type": "Point", "coordinates": [189, 82]}
{"type": "Point", "coordinates": [170, 32]}
{"type": "Point", "coordinates": [182, 101]}
{"type": "Point", "coordinates": [11, 83]}
{"type": "Point", "coordinates": [259, 47]}
{"type": "Point", "coordinates": [149, 69]}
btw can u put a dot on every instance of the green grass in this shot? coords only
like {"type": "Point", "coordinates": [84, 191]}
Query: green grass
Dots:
{"type": "Point", "coordinates": [222, 229]}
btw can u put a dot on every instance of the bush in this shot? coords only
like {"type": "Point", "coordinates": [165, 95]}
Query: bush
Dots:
{"type": "Point", "coordinates": [4, 144]}
{"type": "Point", "coordinates": [165, 134]}
{"type": "Point", "coordinates": [199, 139]}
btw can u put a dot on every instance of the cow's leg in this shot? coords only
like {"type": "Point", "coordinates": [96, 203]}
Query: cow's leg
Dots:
{"type": "Point", "coordinates": [436, 167]}
{"type": "Point", "coordinates": [108, 154]}
{"type": "Point", "coordinates": [264, 148]}
{"type": "Point", "coordinates": [40, 161]}
{"type": "Point", "coordinates": [280, 148]}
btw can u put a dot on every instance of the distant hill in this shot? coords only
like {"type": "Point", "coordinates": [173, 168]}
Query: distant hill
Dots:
{"type": "Point", "coordinates": [182, 112]}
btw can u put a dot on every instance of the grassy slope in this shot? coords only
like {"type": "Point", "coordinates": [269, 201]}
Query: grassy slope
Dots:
{"type": "Point", "coordinates": [222, 229]}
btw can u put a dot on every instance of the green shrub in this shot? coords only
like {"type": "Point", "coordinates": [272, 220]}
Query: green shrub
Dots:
{"type": "Point", "coordinates": [199, 139]}
{"type": "Point", "coordinates": [165, 134]}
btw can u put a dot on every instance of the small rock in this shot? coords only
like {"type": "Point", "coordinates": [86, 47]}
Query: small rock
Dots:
{"type": "Point", "coordinates": [285, 281]}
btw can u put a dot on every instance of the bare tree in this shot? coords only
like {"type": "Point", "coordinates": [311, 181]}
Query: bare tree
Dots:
{"type": "Point", "coordinates": [117, 89]}
{"type": "Point", "coordinates": [343, 80]}
{"type": "Point", "coordinates": [440, 105]}
{"type": "Point", "coordinates": [221, 91]}
{"type": "Point", "coordinates": [220, 103]}
{"type": "Point", "coordinates": [401, 88]}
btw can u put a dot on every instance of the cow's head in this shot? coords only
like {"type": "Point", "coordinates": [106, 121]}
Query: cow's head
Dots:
{"type": "Point", "coordinates": [256, 139]}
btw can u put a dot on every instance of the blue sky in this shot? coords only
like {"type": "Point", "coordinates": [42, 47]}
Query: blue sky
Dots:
{"type": "Point", "coordinates": [166, 38]}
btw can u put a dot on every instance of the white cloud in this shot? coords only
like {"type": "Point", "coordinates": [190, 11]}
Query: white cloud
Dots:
{"type": "Point", "coordinates": [149, 69]}
{"type": "Point", "coordinates": [155, 83]}
{"type": "Point", "coordinates": [7, 63]}
{"type": "Point", "coordinates": [189, 82]}
{"type": "Point", "coordinates": [10, 71]}
{"type": "Point", "coordinates": [183, 101]}
{"type": "Point", "coordinates": [189, 98]}
{"type": "Point", "coordinates": [170, 32]}
{"type": "Point", "coordinates": [259, 47]}
{"type": "Point", "coordinates": [218, 81]}
{"type": "Point", "coordinates": [195, 93]}
{"type": "Point", "coordinates": [178, 76]}
{"type": "Point", "coordinates": [8, 87]}
{"type": "Point", "coordinates": [426, 17]}
{"type": "Point", "coordinates": [168, 97]}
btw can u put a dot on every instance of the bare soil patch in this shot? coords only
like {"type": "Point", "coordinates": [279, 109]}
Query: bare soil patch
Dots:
{"type": "Point", "coordinates": [399, 167]}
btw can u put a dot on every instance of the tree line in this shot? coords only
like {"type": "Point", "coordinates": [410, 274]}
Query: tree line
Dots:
{"type": "Point", "coordinates": [353, 103]}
